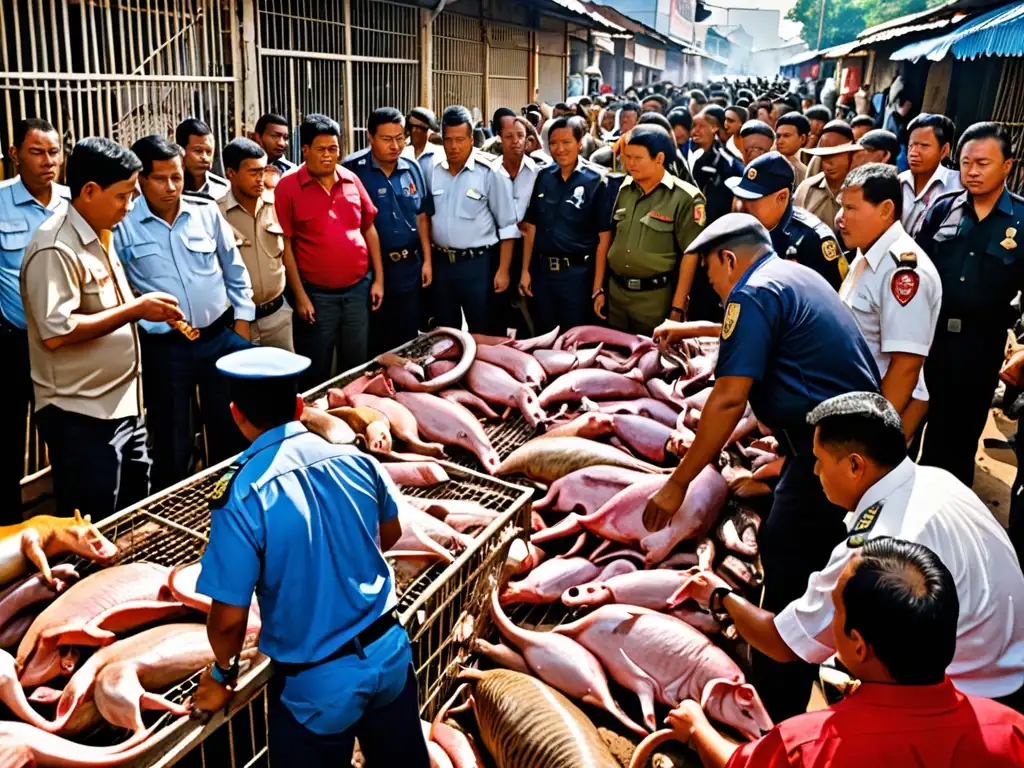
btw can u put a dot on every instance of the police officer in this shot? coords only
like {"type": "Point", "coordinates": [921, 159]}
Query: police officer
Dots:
{"type": "Point", "coordinates": [473, 211]}
{"type": "Point", "coordinates": [26, 201]}
{"type": "Point", "coordinates": [272, 134]}
{"type": "Point", "coordinates": [568, 227]}
{"type": "Point", "coordinates": [710, 164]}
{"type": "Point", "coordinates": [976, 239]}
{"type": "Point", "coordinates": [893, 289]}
{"type": "Point", "coordinates": [655, 218]}
{"type": "Point", "coordinates": [302, 522]}
{"type": "Point", "coordinates": [787, 344]}
{"type": "Point", "coordinates": [864, 468]}
{"type": "Point", "coordinates": [198, 147]}
{"type": "Point", "coordinates": [396, 186]}
{"type": "Point", "coordinates": [249, 208]}
{"type": "Point", "coordinates": [765, 191]}
{"type": "Point", "coordinates": [182, 246]}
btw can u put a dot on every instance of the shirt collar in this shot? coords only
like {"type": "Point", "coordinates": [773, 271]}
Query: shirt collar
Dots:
{"type": "Point", "coordinates": [305, 177]}
{"type": "Point", "coordinates": [1005, 203]}
{"type": "Point", "coordinates": [900, 475]}
{"type": "Point", "coordinates": [526, 163]}
{"type": "Point", "coordinates": [230, 201]}
{"type": "Point", "coordinates": [272, 436]}
{"type": "Point", "coordinates": [940, 177]}
{"type": "Point", "coordinates": [470, 163]}
{"type": "Point", "coordinates": [941, 697]}
{"type": "Point", "coordinates": [21, 195]}
{"type": "Point", "coordinates": [146, 213]}
{"type": "Point", "coordinates": [761, 261]}
{"type": "Point", "coordinates": [787, 217]}
{"type": "Point", "coordinates": [85, 231]}
{"type": "Point", "coordinates": [882, 245]}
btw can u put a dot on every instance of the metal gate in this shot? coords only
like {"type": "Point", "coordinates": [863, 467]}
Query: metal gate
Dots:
{"type": "Point", "coordinates": [458, 58]}
{"type": "Point", "coordinates": [509, 67]}
{"type": "Point", "coordinates": [340, 59]}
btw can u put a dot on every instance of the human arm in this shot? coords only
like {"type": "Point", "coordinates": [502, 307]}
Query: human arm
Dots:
{"type": "Point", "coordinates": [672, 331]}
{"type": "Point", "coordinates": [907, 319]}
{"type": "Point", "coordinates": [681, 297]}
{"type": "Point", "coordinates": [237, 281]}
{"type": "Point", "coordinates": [423, 229]}
{"type": "Point", "coordinates": [525, 283]}
{"type": "Point", "coordinates": [503, 209]}
{"type": "Point", "coordinates": [901, 378]}
{"type": "Point", "coordinates": [502, 276]}
{"type": "Point", "coordinates": [283, 208]}
{"type": "Point", "coordinates": [689, 223]}
{"type": "Point", "coordinates": [377, 264]}
{"type": "Point", "coordinates": [691, 725]}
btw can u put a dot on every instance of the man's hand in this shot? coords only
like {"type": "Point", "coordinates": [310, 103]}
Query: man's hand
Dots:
{"type": "Point", "coordinates": [427, 273]}
{"type": "Point", "coordinates": [242, 329]}
{"type": "Point", "coordinates": [663, 505]}
{"type": "Point", "coordinates": [599, 306]}
{"type": "Point", "coordinates": [1012, 371]}
{"type": "Point", "coordinates": [687, 718]}
{"type": "Point", "coordinates": [376, 293]}
{"type": "Point", "coordinates": [501, 280]}
{"type": "Point", "coordinates": [525, 285]}
{"type": "Point", "coordinates": [210, 696]}
{"type": "Point", "coordinates": [669, 332]}
{"type": "Point", "coordinates": [304, 308]}
{"type": "Point", "coordinates": [158, 308]}
{"type": "Point", "coordinates": [700, 586]}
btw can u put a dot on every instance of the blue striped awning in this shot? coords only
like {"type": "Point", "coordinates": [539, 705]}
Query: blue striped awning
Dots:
{"type": "Point", "coordinates": [997, 33]}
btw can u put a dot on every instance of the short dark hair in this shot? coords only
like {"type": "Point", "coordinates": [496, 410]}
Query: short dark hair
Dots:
{"type": "Point", "coordinates": [857, 433]}
{"type": "Point", "coordinates": [570, 122]}
{"type": "Point", "coordinates": [383, 116]}
{"type": "Point", "coordinates": [655, 118]}
{"type": "Point", "coordinates": [662, 101]}
{"type": "Point", "coordinates": [681, 117]}
{"type": "Point", "coordinates": [699, 96]}
{"type": "Point", "coordinates": [101, 161]}
{"type": "Point", "coordinates": [268, 120]}
{"type": "Point", "coordinates": [267, 403]}
{"type": "Point", "coordinates": [878, 182]}
{"type": "Point", "coordinates": [189, 127]}
{"type": "Point", "coordinates": [838, 126]}
{"type": "Point", "coordinates": [716, 113]}
{"type": "Point", "coordinates": [795, 119]}
{"type": "Point", "coordinates": [785, 104]}
{"type": "Point", "coordinates": [150, 149]}
{"type": "Point", "coordinates": [902, 600]}
{"type": "Point", "coordinates": [238, 150]}
{"type": "Point", "coordinates": [943, 127]}
{"type": "Point", "coordinates": [741, 112]}
{"type": "Point", "coordinates": [630, 106]}
{"type": "Point", "coordinates": [454, 116]}
{"type": "Point", "coordinates": [500, 114]}
{"type": "Point", "coordinates": [314, 125]}
{"type": "Point", "coordinates": [879, 138]}
{"type": "Point", "coordinates": [989, 130]}
{"type": "Point", "coordinates": [752, 127]}
{"type": "Point", "coordinates": [654, 138]}
{"type": "Point", "coordinates": [818, 112]}
{"type": "Point", "coordinates": [863, 121]}
{"type": "Point", "coordinates": [22, 128]}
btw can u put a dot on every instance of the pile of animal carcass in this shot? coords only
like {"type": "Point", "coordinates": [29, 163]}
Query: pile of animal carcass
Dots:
{"type": "Point", "coordinates": [612, 413]}
{"type": "Point", "coordinates": [114, 639]}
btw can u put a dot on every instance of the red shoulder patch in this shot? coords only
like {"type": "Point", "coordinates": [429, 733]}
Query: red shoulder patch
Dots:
{"type": "Point", "coordinates": [904, 285]}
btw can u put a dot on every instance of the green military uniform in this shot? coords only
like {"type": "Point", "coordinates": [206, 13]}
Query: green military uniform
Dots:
{"type": "Point", "coordinates": [652, 232]}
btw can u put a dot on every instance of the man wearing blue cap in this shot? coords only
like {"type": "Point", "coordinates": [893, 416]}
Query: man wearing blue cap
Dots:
{"type": "Point", "coordinates": [765, 191]}
{"type": "Point", "coordinates": [787, 344]}
{"type": "Point", "coordinates": [302, 522]}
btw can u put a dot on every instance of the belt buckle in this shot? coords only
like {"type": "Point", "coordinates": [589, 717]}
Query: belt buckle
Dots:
{"type": "Point", "coordinates": [451, 256]}
{"type": "Point", "coordinates": [395, 256]}
{"type": "Point", "coordinates": [954, 325]}
{"type": "Point", "coordinates": [554, 264]}
{"type": "Point", "coordinates": [633, 284]}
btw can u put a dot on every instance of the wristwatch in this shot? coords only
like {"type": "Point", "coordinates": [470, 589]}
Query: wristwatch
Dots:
{"type": "Point", "coordinates": [715, 607]}
{"type": "Point", "coordinates": [225, 677]}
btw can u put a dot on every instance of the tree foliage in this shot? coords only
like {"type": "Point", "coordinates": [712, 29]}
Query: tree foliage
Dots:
{"type": "Point", "coordinates": [845, 19]}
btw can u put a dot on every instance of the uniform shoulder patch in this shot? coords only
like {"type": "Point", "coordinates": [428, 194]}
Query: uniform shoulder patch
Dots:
{"type": "Point", "coordinates": [700, 214]}
{"type": "Point", "coordinates": [221, 491]}
{"type": "Point", "coordinates": [863, 524]}
{"type": "Point", "coordinates": [830, 249]}
{"type": "Point", "coordinates": [732, 317]}
{"type": "Point", "coordinates": [904, 285]}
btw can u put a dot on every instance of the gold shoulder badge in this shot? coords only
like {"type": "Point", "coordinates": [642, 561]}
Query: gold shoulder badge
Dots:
{"type": "Point", "coordinates": [830, 250]}
{"type": "Point", "coordinates": [221, 491]}
{"type": "Point", "coordinates": [699, 214]}
{"type": "Point", "coordinates": [752, 174]}
{"type": "Point", "coordinates": [732, 316]}
{"type": "Point", "coordinates": [863, 524]}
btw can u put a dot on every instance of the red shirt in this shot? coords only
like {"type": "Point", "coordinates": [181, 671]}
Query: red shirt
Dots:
{"type": "Point", "coordinates": [326, 228]}
{"type": "Point", "coordinates": [894, 726]}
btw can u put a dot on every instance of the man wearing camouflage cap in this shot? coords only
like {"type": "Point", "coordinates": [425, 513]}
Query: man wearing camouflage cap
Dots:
{"type": "Point", "coordinates": [863, 467]}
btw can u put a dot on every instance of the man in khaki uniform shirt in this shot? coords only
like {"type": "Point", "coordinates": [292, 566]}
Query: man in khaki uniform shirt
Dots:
{"type": "Point", "coordinates": [819, 192]}
{"type": "Point", "coordinates": [249, 209]}
{"type": "Point", "coordinates": [655, 217]}
{"type": "Point", "coordinates": [83, 345]}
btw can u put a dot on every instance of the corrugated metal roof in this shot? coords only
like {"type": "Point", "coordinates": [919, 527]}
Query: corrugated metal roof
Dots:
{"type": "Point", "coordinates": [996, 33]}
{"type": "Point", "coordinates": [800, 58]}
{"type": "Point", "coordinates": [894, 32]}
{"type": "Point", "coordinates": [577, 7]}
{"type": "Point", "coordinates": [903, 21]}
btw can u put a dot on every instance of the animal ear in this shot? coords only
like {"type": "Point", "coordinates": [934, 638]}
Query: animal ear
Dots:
{"type": "Point", "coordinates": [78, 516]}
{"type": "Point", "coordinates": [716, 688]}
{"type": "Point", "coordinates": [745, 694]}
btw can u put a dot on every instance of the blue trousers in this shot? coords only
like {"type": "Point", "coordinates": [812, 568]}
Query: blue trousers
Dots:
{"type": "Point", "coordinates": [341, 323]}
{"type": "Point", "coordinates": [463, 287]}
{"type": "Point", "coordinates": [398, 318]}
{"type": "Point", "coordinates": [172, 368]}
{"type": "Point", "coordinates": [561, 298]}
{"type": "Point", "coordinates": [98, 466]}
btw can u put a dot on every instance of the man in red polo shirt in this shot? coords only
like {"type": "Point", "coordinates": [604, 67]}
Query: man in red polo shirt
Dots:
{"type": "Point", "coordinates": [895, 629]}
{"type": "Point", "coordinates": [331, 253]}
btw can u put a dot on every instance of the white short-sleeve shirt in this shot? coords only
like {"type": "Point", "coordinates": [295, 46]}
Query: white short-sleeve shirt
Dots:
{"type": "Point", "coordinates": [929, 506]}
{"type": "Point", "coordinates": [876, 294]}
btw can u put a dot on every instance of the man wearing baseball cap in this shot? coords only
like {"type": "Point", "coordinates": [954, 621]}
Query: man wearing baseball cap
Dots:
{"type": "Point", "coordinates": [765, 191]}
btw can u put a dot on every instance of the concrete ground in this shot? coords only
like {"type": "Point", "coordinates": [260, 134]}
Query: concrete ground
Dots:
{"type": "Point", "coordinates": [996, 465]}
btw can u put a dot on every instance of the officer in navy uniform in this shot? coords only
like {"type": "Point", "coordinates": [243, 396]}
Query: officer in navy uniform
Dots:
{"type": "Point", "coordinates": [396, 186]}
{"type": "Point", "coordinates": [765, 191]}
{"type": "Point", "coordinates": [787, 344]}
{"type": "Point", "coordinates": [567, 223]}
{"type": "Point", "coordinates": [302, 522]}
{"type": "Point", "coordinates": [976, 240]}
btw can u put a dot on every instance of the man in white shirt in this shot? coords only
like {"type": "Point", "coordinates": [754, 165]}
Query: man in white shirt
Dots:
{"type": "Point", "coordinates": [863, 466]}
{"type": "Point", "coordinates": [931, 142]}
{"type": "Point", "coordinates": [892, 289]}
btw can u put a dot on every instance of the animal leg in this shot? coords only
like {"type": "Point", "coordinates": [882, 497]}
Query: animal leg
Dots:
{"type": "Point", "coordinates": [154, 701]}
{"type": "Point", "coordinates": [32, 548]}
{"type": "Point", "coordinates": [501, 654]}
{"type": "Point", "coordinates": [644, 688]}
{"type": "Point", "coordinates": [580, 542]}
{"type": "Point", "coordinates": [121, 618]}
{"type": "Point", "coordinates": [567, 526]}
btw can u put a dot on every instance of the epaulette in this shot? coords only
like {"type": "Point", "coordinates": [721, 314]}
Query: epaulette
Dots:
{"type": "Point", "coordinates": [904, 259]}
{"type": "Point", "coordinates": [268, 196]}
{"type": "Point", "coordinates": [199, 198]}
{"type": "Point", "coordinates": [691, 189]}
{"type": "Point", "coordinates": [863, 524]}
{"type": "Point", "coordinates": [221, 491]}
{"type": "Point", "coordinates": [218, 179]}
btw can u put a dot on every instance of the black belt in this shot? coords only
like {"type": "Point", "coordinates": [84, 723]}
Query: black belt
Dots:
{"type": "Point", "coordinates": [356, 645]}
{"type": "Point", "coordinates": [177, 337]}
{"type": "Point", "coordinates": [402, 255]}
{"type": "Point", "coordinates": [270, 307]}
{"type": "Point", "coordinates": [556, 263]}
{"type": "Point", "coordinates": [643, 283]}
{"type": "Point", "coordinates": [456, 255]}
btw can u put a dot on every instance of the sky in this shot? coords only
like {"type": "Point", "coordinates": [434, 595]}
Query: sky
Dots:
{"type": "Point", "coordinates": [787, 29]}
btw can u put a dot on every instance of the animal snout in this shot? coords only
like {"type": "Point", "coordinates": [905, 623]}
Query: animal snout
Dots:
{"type": "Point", "coordinates": [574, 592]}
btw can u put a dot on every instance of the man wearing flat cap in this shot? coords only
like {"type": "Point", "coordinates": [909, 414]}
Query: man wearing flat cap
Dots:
{"type": "Point", "coordinates": [863, 467]}
{"type": "Point", "coordinates": [765, 191]}
{"type": "Point", "coordinates": [787, 344]}
{"type": "Point", "coordinates": [819, 192]}
{"type": "Point", "coordinates": [420, 123]}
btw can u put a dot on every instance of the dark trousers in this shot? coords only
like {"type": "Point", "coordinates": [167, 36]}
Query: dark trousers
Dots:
{"type": "Point", "coordinates": [341, 323]}
{"type": "Point", "coordinates": [506, 309]}
{"type": "Point", "coordinates": [796, 539]}
{"type": "Point", "coordinates": [98, 465]}
{"type": "Point", "coordinates": [461, 288]}
{"type": "Point", "coordinates": [398, 318]}
{"type": "Point", "coordinates": [172, 369]}
{"type": "Point", "coordinates": [390, 735]}
{"type": "Point", "coordinates": [13, 419]}
{"type": "Point", "coordinates": [561, 298]}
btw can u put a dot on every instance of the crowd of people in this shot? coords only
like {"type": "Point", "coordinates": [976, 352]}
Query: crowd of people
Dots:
{"type": "Point", "coordinates": [862, 313]}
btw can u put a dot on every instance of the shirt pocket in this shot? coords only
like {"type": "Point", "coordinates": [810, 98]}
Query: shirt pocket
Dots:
{"type": "Point", "coordinates": [657, 237]}
{"type": "Point", "coordinates": [203, 251]}
{"type": "Point", "coordinates": [273, 239]}
{"type": "Point", "coordinates": [98, 290]}
{"type": "Point", "coordinates": [1001, 272]}
{"type": "Point", "coordinates": [472, 207]}
{"type": "Point", "coordinates": [148, 261]}
{"type": "Point", "coordinates": [15, 236]}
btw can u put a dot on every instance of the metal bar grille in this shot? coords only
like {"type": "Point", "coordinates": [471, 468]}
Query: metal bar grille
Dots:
{"type": "Point", "coordinates": [458, 58]}
{"type": "Point", "coordinates": [508, 81]}
{"type": "Point", "coordinates": [1007, 110]}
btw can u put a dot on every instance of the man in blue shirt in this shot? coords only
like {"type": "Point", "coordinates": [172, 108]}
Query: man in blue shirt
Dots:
{"type": "Point", "coordinates": [26, 201]}
{"type": "Point", "coordinates": [404, 207]}
{"type": "Point", "coordinates": [183, 246]}
{"type": "Point", "coordinates": [787, 344]}
{"type": "Point", "coordinates": [302, 522]}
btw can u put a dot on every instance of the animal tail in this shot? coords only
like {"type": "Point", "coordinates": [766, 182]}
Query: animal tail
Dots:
{"type": "Point", "coordinates": [646, 747]}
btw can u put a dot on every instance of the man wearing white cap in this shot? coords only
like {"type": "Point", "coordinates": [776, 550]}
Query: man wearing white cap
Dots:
{"type": "Point", "coordinates": [819, 193]}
